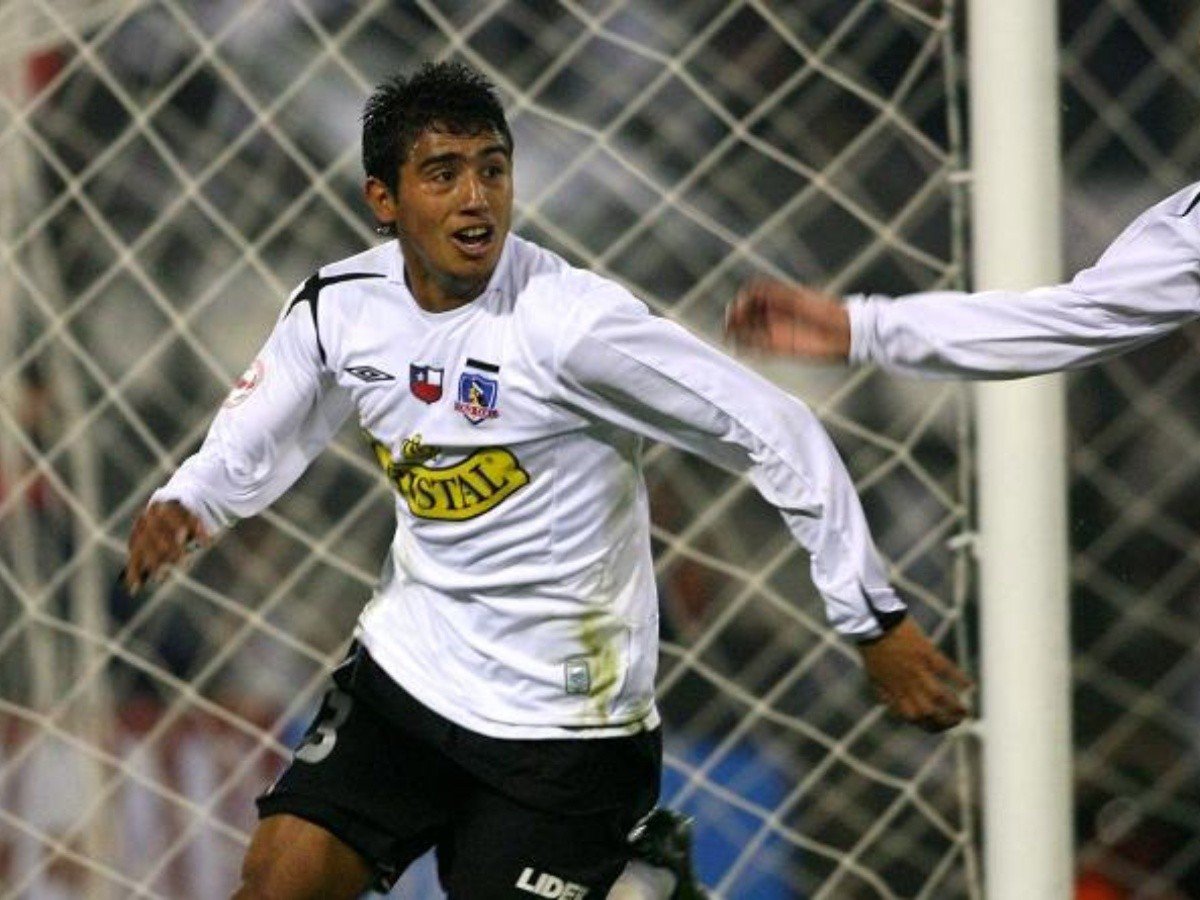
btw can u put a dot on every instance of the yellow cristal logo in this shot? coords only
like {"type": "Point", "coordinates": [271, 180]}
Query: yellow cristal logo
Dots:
{"type": "Point", "coordinates": [478, 484]}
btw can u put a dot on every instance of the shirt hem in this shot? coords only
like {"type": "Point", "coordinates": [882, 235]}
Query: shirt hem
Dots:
{"type": "Point", "coordinates": [647, 721]}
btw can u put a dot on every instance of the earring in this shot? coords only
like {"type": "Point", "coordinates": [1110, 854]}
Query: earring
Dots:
{"type": "Point", "coordinates": [384, 229]}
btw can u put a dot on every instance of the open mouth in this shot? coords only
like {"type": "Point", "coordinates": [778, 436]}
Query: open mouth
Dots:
{"type": "Point", "coordinates": [475, 240]}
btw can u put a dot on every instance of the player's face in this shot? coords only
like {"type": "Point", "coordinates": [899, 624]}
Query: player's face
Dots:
{"type": "Point", "coordinates": [453, 209]}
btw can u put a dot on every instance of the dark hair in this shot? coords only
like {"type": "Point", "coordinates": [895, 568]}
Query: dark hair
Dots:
{"type": "Point", "coordinates": [446, 96]}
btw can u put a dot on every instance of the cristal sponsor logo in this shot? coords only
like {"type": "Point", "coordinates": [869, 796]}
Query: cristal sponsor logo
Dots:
{"type": "Point", "coordinates": [467, 489]}
{"type": "Point", "coordinates": [552, 887]}
{"type": "Point", "coordinates": [414, 450]}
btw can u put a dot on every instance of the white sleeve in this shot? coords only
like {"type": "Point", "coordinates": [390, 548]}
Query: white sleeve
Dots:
{"type": "Point", "coordinates": [652, 377]}
{"type": "Point", "coordinates": [280, 415]}
{"type": "Point", "coordinates": [1145, 284]}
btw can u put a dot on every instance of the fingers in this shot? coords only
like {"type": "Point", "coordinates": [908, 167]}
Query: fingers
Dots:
{"type": "Point", "coordinates": [948, 710]}
{"type": "Point", "coordinates": [947, 670]}
{"type": "Point", "coordinates": [162, 536]}
{"type": "Point", "coordinates": [936, 711]}
{"type": "Point", "coordinates": [917, 683]}
{"type": "Point", "coordinates": [755, 302]}
{"type": "Point", "coordinates": [771, 292]}
{"type": "Point", "coordinates": [932, 714]}
{"type": "Point", "coordinates": [790, 320]}
{"type": "Point", "coordinates": [746, 318]}
{"type": "Point", "coordinates": [937, 706]}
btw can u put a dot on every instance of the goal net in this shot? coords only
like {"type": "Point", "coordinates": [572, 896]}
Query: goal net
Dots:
{"type": "Point", "coordinates": [1130, 82]}
{"type": "Point", "coordinates": [169, 170]}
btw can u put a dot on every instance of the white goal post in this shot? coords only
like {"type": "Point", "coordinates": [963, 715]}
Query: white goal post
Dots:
{"type": "Point", "coordinates": [1021, 432]}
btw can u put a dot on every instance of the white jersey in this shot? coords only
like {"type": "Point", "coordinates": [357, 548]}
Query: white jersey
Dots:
{"type": "Point", "coordinates": [1146, 283]}
{"type": "Point", "coordinates": [518, 599]}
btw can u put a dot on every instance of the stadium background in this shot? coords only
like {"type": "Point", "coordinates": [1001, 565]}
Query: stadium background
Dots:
{"type": "Point", "coordinates": [169, 170]}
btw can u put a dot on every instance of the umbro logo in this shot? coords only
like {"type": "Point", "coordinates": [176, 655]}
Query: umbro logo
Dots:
{"type": "Point", "coordinates": [369, 374]}
{"type": "Point", "coordinates": [550, 886]}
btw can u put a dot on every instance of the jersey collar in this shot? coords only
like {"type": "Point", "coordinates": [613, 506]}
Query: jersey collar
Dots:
{"type": "Point", "coordinates": [501, 282]}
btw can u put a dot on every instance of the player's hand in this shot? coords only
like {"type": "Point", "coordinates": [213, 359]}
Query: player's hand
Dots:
{"type": "Point", "coordinates": [790, 320]}
{"type": "Point", "coordinates": [914, 679]}
{"type": "Point", "coordinates": [162, 536]}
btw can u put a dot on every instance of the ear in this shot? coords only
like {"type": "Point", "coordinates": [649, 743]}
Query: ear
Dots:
{"type": "Point", "coordinates": [381, 201]}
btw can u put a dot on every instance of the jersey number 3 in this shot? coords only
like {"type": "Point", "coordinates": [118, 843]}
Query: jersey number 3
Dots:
{"type": "Point", "coordinates": [320, 741]}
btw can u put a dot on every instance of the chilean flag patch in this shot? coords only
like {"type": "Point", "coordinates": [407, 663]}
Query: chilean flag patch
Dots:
{"type": "Point", "coordinates": [425, 382]}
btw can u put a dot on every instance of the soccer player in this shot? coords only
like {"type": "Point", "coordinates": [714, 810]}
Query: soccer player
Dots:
{"type": "Point", "coordinates": [498, 703]}
{"type": "Point", "coordinates": [1145, 284]}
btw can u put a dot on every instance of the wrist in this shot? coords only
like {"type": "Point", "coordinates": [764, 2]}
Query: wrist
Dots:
{"type": "Point", "coordinates": [888, 622]}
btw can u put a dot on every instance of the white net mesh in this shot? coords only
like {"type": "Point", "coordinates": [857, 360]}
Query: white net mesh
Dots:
{"type": "Point", "coordinates": [170, 170]}
{"type": "Point", "coordinates": [1131, 79]}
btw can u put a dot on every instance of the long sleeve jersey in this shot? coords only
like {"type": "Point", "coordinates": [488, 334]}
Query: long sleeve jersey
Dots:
{"type": "Point", "coordinates": [518, 597]}
{"type": "Point", "coordinates": [1145, 284]}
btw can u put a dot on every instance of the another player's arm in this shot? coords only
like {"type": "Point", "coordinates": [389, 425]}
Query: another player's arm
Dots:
{"type": "Point", "coordinates": [653, 377]}
{"type": "Point", "coordinates": [282, 414]}
{"type": "Point", "coordinates": [1145, 284]}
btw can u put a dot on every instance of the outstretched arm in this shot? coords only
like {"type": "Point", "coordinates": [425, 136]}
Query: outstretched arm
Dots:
{"type": "Point", "coordinates": [655, 378]}
{"type": "Point", "coordinates": [282, 412]}
{"type": "Point", "coordinates": [1145, 284]}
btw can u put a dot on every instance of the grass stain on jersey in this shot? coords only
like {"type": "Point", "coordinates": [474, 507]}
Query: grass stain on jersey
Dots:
{"type": "Point", "coordinates": [600, 633]}
{"type": "Point", "coordinates": [454, 493]}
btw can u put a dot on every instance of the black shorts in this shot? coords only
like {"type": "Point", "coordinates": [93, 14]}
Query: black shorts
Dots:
{"type": "Point", "coordinates": [509, 818]}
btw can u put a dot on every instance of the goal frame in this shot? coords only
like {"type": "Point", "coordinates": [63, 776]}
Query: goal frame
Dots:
{"type": "Point", "coordinates": [1015, 152]}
